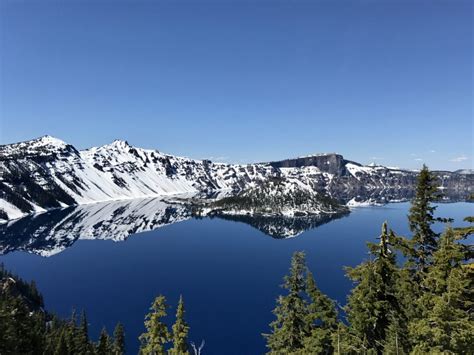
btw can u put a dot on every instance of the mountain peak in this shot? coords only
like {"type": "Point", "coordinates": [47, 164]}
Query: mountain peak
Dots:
{"type": "Point", "coordinates": [49, 140]}
{"type": "Point", "coordinates": [120, 143]}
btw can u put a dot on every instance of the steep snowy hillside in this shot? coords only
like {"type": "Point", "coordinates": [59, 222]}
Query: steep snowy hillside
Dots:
{"type": "Point", "coordinates": [47, 173]}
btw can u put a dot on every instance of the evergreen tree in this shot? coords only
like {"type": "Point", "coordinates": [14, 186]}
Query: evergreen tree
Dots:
{"type": "Point", "coordinates": [421, 218]}
{"type": "Point", "coordinates": [291, 325]}
{"type": "Point", "coordinates": [446, 323]}
{"type": "Point", "coordinates": [180, 332]}
{"type": "Point", "coordinates": [396, 339]}
{"type": "Point", "coordinates": [104, 346]}
{"type": "Point", "coordinates": [25, 328]}
{"type": "Point", "coordinates": [157, 334]}
{"type": "Point", "coordinates": [373, 305]}
{"type": "Point", "coordinates": [343, 342]}
{"type": "Point", "coordinates": [119, 339]}
{"type": "Point", "coordinates": [83, 345]}
{"type": "Point", "coordinates": [62, 348]}
{"type": "Point", "coordinates": [322, 319]}
{"type": "Point", "coordinates": [71, 333]}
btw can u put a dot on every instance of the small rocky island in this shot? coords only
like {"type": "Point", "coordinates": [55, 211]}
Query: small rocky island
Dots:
{"type": "Point", "coordinates": [275, 197]}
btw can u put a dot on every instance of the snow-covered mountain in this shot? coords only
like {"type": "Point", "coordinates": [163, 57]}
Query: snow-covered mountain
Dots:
{"type": "Point", "coordinates": [48, 173]}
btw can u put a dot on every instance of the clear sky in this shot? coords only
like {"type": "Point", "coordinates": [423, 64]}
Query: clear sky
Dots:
{"type": "Point", "coordinates": [244, 81]}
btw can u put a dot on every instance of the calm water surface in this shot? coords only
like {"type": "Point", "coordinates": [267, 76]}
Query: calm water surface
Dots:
{"type": "Point", "coordinates": [228, 272]}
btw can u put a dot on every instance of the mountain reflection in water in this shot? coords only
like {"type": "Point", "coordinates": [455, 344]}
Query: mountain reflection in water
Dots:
{"type": "Point", "coordinates": [51, 232]}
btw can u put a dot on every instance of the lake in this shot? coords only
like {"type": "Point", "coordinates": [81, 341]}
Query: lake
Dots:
{"type": "Point", "coordinates": [228, 271]}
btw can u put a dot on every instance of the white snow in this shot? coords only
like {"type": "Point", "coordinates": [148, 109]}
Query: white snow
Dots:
{"type": "Point", "coordinates": [12, 211]}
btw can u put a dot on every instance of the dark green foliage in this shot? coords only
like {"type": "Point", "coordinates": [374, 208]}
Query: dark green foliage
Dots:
{"type": "Point", "coordinates": [61, 347]}
{"type": "Point", "coordinates": [157, 334]}
{"type": "Point", "coordinates": [28, 291]}
{"type": "Point", "coordinates": [20, 332]}
{"type": "Point", "coordinates": [15, 198]}
{"type": "Point", "coordinates": [446, 323]}
{"type": "Point", "coordinates": [322, 319]}
{"type": "Point", "coordinates": [22, 322]}
{"type": "Point", "coordinates": [119, 340]}
{"type": "Point", "coordinates": [82, 343]}
{"type": "Point", "coordinates": [104, 346]}
{"type": "Point", "coordinates": [373, 308]}
{"type": "Point", "coordinates": [291, 324]}
{"type": "Point", "coordinates": [305, 317]}
{"type": "Point", "coordinates": [27, 188]}
{"type": "Point", "coordinates": [420, 248]}
{"type": "Point", "coordinates": [180, 332]}
{"type": "Point", "coordinates": [277, 195]}
{"type": "Point", "coordinates": [421, 218]}
{"type": "Point", "coordinates": [25, 328]}
{"type": "Point", "coordinates": [379, 321]}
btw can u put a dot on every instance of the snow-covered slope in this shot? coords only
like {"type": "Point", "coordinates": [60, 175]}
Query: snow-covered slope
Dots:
{"type": "Point", "coordinates": [48, 173]}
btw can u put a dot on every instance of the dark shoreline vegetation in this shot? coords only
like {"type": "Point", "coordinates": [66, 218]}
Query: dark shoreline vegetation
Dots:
{"type": "Point", "coordinates": [418, 304]}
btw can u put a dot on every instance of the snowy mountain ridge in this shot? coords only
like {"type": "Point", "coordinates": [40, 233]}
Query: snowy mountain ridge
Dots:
{"type": "Point", "coordinates": [47, 172]}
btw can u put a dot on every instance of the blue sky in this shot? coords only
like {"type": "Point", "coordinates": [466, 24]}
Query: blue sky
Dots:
{"type": "Point", "coordinates": [244, 81]}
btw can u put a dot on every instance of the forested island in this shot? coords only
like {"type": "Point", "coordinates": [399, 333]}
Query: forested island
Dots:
{"type": "Point", "coordinates": [412, 295]}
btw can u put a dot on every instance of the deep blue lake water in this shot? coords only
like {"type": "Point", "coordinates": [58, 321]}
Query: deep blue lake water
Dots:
{"type": "Point", "coordinates": [228, 273]}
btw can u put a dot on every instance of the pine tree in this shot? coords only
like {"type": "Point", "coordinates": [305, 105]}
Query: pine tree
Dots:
{"type": "Point", "coordinates": [372, 304]}
{"type": "Point", "coordinates": [104, 346]}
{"type": "Point", "coordinates": [20, 330]}
{"type": "Point", "coordinates": [322, 319]}
{"type": "Point", "coordinates": [180, 332]}
{"type": "Point", "coordinates": [397, 339]}
{"type": "Point", "coordinates": [446, 323]}
{"type": "Point", "coordinates": [420, 248]}
{"type": "Point", "coordinates": [464, 232]}
{"type": "Point", "coordinates": [421, 218]}
{"type": "Point", "coordinates": [61, 347]}
{"type": "Point", "coordinates": [70, 335]}
{"type": "Point", "coordinates": [157, 334]}
{"type": "Point", "coordinates": [119, 339]}
{"type": "Point", "coordinates": [83, 345]}
{"type": "Point", "coordinates": [291, 325]}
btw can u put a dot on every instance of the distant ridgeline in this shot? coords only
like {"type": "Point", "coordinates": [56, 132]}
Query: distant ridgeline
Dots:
{"type": "Point", "coordinates": [47, 173]}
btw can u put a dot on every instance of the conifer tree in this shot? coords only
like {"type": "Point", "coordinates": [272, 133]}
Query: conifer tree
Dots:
{"type": "Point", "coordinates": [423, 243]}
{"type": "Point", "coordinates": [372, 304]}
{"type": "Point", "coordinates": [70, 335]}
{"type": "Point", "coordinates": [446, 323]}
{"type": "Point", "coordinates": [83, 345]}
{"type": "Point", "coordinates": [119, 339]}
{"type": "Point", "coordinates": [61, 347]}
{"type": "Point", "coordinates": [322, 319]}
{"type": "Point", "coordinates": [157, 333]}
{"type": "Point", "coordinates": [104, 346]}
{"type": "Point", "coordinates": [290, 327]}
{"type": "Point", "coordinates": [421, 218]}
{"type": "Point", "coordinates": [464, 232]}
{"type": "Point", "coordinates": [397, 339]}
{"type": "Point", "coordinates": [180, 332]}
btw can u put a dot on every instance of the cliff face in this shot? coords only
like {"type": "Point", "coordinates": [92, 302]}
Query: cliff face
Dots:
{"type": "Point", "coordinates": [328, 163]}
